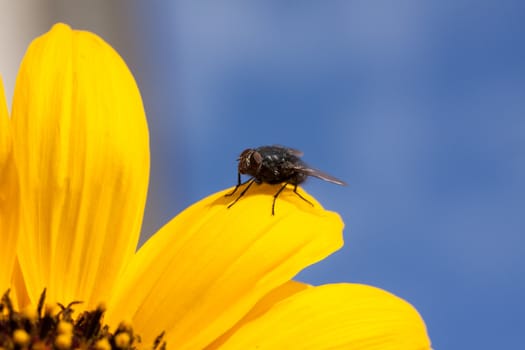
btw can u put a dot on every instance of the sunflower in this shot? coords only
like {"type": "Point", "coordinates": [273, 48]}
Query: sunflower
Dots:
{"type": "Point", "coordinates": [74, 162]}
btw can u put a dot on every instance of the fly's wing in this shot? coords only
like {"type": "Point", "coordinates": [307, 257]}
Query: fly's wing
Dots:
{"type": "Point", "coordinates": [292, 151]}
{"type": "Point", "coordinates": [319, 174]}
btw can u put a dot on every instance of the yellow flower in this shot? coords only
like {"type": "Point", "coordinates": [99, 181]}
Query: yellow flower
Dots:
{"type": "Point", "coordinates": [74, 162]}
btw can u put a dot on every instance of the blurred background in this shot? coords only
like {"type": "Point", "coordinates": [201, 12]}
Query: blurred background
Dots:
{"type": "Point", "coordinates": [418, 105]}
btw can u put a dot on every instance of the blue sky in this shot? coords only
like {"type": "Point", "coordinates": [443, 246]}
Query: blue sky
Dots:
{"type": "Point", "coordinates": [419, 106]}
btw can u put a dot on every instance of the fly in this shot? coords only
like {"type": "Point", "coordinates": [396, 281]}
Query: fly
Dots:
{"type": "Point", "coordinates": [276, 165]}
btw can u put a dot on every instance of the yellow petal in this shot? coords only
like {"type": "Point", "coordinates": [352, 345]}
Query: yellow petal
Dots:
{"type": "Point", "coordinates": [278, 294]}
{"type": "Point", "coordinates": [9, 197]}
{"type": "Point", "coordinates": [210, 265]}
{"type": "Point", "coordinates": [339, 316]}
{"type": "Point", "coordinates": [82, 149]}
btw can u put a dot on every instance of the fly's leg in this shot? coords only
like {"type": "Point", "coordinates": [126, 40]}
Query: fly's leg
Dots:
{"type": "Point", "coordinates": [250, 182]}
{"type": "Point", "coordinates": [275, 197]}
{"type": "Point", "coordinates": [294, 190]}
{"type": "Point", "coordinates": [237, 186]}
{"type": "Point", "coordinates": [304, 199]}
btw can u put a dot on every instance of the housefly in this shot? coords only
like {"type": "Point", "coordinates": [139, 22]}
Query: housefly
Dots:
{"type": "Point", "coordinates": [275, 165]}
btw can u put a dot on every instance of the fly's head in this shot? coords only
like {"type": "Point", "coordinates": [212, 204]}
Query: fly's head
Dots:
{"type": "Point", "coordinates": [250, 162]}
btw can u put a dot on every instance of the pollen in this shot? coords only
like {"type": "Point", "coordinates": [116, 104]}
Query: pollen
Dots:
{"type": "Point", "coordinates": [64, 328]}
{"type": "Point", "coordinates": [102, 344]}
{"type": "Point", "coordinates": [63, 341]}
{"type": "Point", "coordinates": [21, 338]}
{"type": "Point", "coordinates": [122, 340]}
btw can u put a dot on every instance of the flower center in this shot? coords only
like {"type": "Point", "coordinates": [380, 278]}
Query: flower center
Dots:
{"type": "Point", "coordinates": [57, 329]}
